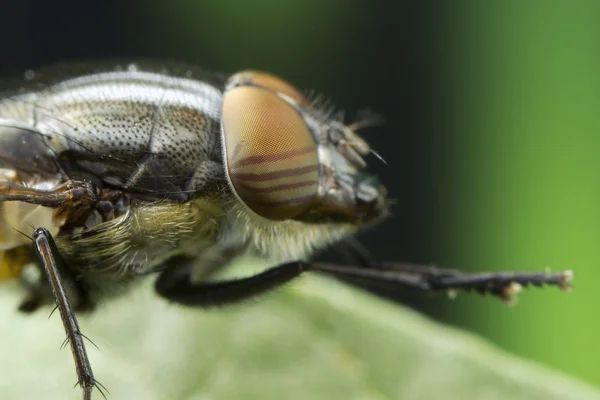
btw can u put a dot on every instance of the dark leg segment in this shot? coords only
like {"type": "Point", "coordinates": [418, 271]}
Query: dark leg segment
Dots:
{"type": "Point", "coordinates": [68, 193]}
{"type": "Point", "coordinates": [175, 285]}
{"type": "Point", "coordinates": [45, 249]}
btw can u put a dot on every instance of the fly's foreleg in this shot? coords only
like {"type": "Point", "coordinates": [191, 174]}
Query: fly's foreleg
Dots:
{"type": "Point", "coordinates": [48, 255]}
{"type": "Point", "coordinates": [69, 193]}
{"type": "Point", "coordinates": [176, 285]}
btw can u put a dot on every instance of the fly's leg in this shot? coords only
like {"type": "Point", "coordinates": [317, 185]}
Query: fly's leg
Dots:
{"type": "Point", "coordinates": [504, 285]}
{"type": "Point", "coordinates": [48, 255]}
{"type": "Point", "coordinates": [69, 193]}
{"type": "Point", "coordinates": [178, 287]}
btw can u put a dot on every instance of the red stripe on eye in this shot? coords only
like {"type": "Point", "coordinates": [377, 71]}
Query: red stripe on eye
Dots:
{"type": "Point", "coordinates": [276, 188]}
{"type": "Point", "coordinates": [250, 160]}
{"type": "Point", "coordinates": [268, 176]}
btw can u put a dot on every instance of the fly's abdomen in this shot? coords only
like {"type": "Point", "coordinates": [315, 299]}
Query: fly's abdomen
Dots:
{"type": "Point", "coordinates": [142, 132]}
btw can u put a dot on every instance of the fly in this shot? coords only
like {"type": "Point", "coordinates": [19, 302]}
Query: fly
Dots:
{"type": "Point", "coordinates": [137, 171]}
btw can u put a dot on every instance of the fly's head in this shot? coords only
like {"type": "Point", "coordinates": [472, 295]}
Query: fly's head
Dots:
{"type": "Point", "coordinates": [295, 169]}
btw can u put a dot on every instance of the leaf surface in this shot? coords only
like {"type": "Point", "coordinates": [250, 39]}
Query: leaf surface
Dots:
{"type": "Point", "coordinates": [314, 339]}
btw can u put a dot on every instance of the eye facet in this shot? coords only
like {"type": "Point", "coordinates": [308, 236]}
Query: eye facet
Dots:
{"type": "Point", "coordinates": [270, 154]}
{"type": "Point", "coordinates": [272, 82]}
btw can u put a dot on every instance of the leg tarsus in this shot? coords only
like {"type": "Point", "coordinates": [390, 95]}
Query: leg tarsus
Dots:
{"type": "Point", "coordinates": [429, 278]}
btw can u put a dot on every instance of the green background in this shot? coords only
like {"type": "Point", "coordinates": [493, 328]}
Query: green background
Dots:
{"type": "Point", "coordinates": [491, 130]}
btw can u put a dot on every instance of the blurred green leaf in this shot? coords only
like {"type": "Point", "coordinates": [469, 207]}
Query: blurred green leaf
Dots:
{"type": "Point", "coordinates": [315, 339]}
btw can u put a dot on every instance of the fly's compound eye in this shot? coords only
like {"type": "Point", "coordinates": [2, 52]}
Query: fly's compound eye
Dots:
{"type": "Point", "coordinates": [270, 154]}
{"type": "Point", "coordinates": [271, 82]}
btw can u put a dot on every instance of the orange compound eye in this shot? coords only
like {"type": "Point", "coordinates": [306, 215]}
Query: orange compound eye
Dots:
{"type": "Point", "coordinates": [271, 82]}
{"type": "Point", "coordinates": [270, 154]}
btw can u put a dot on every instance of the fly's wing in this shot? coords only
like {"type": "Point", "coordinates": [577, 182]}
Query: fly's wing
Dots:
{"type": "Point", "coordinates": [24, 150]}
{"type": "Point", "coordinates": [25, 159]}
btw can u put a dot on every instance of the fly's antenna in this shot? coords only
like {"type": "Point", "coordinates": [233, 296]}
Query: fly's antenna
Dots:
{"type": "Point", "coordinates": [366, 119]}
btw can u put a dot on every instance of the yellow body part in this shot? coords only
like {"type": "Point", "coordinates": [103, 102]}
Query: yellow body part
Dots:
{"type": "Point", "coordinates": [15, 248]}
{"type": "Point", "coordinates": [11, 262]}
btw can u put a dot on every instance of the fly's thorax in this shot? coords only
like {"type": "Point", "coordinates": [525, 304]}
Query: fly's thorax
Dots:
{"type": "Point", "coordinates": [138, 131]}
{"type": "Point", "coordinates": [148, 234]}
